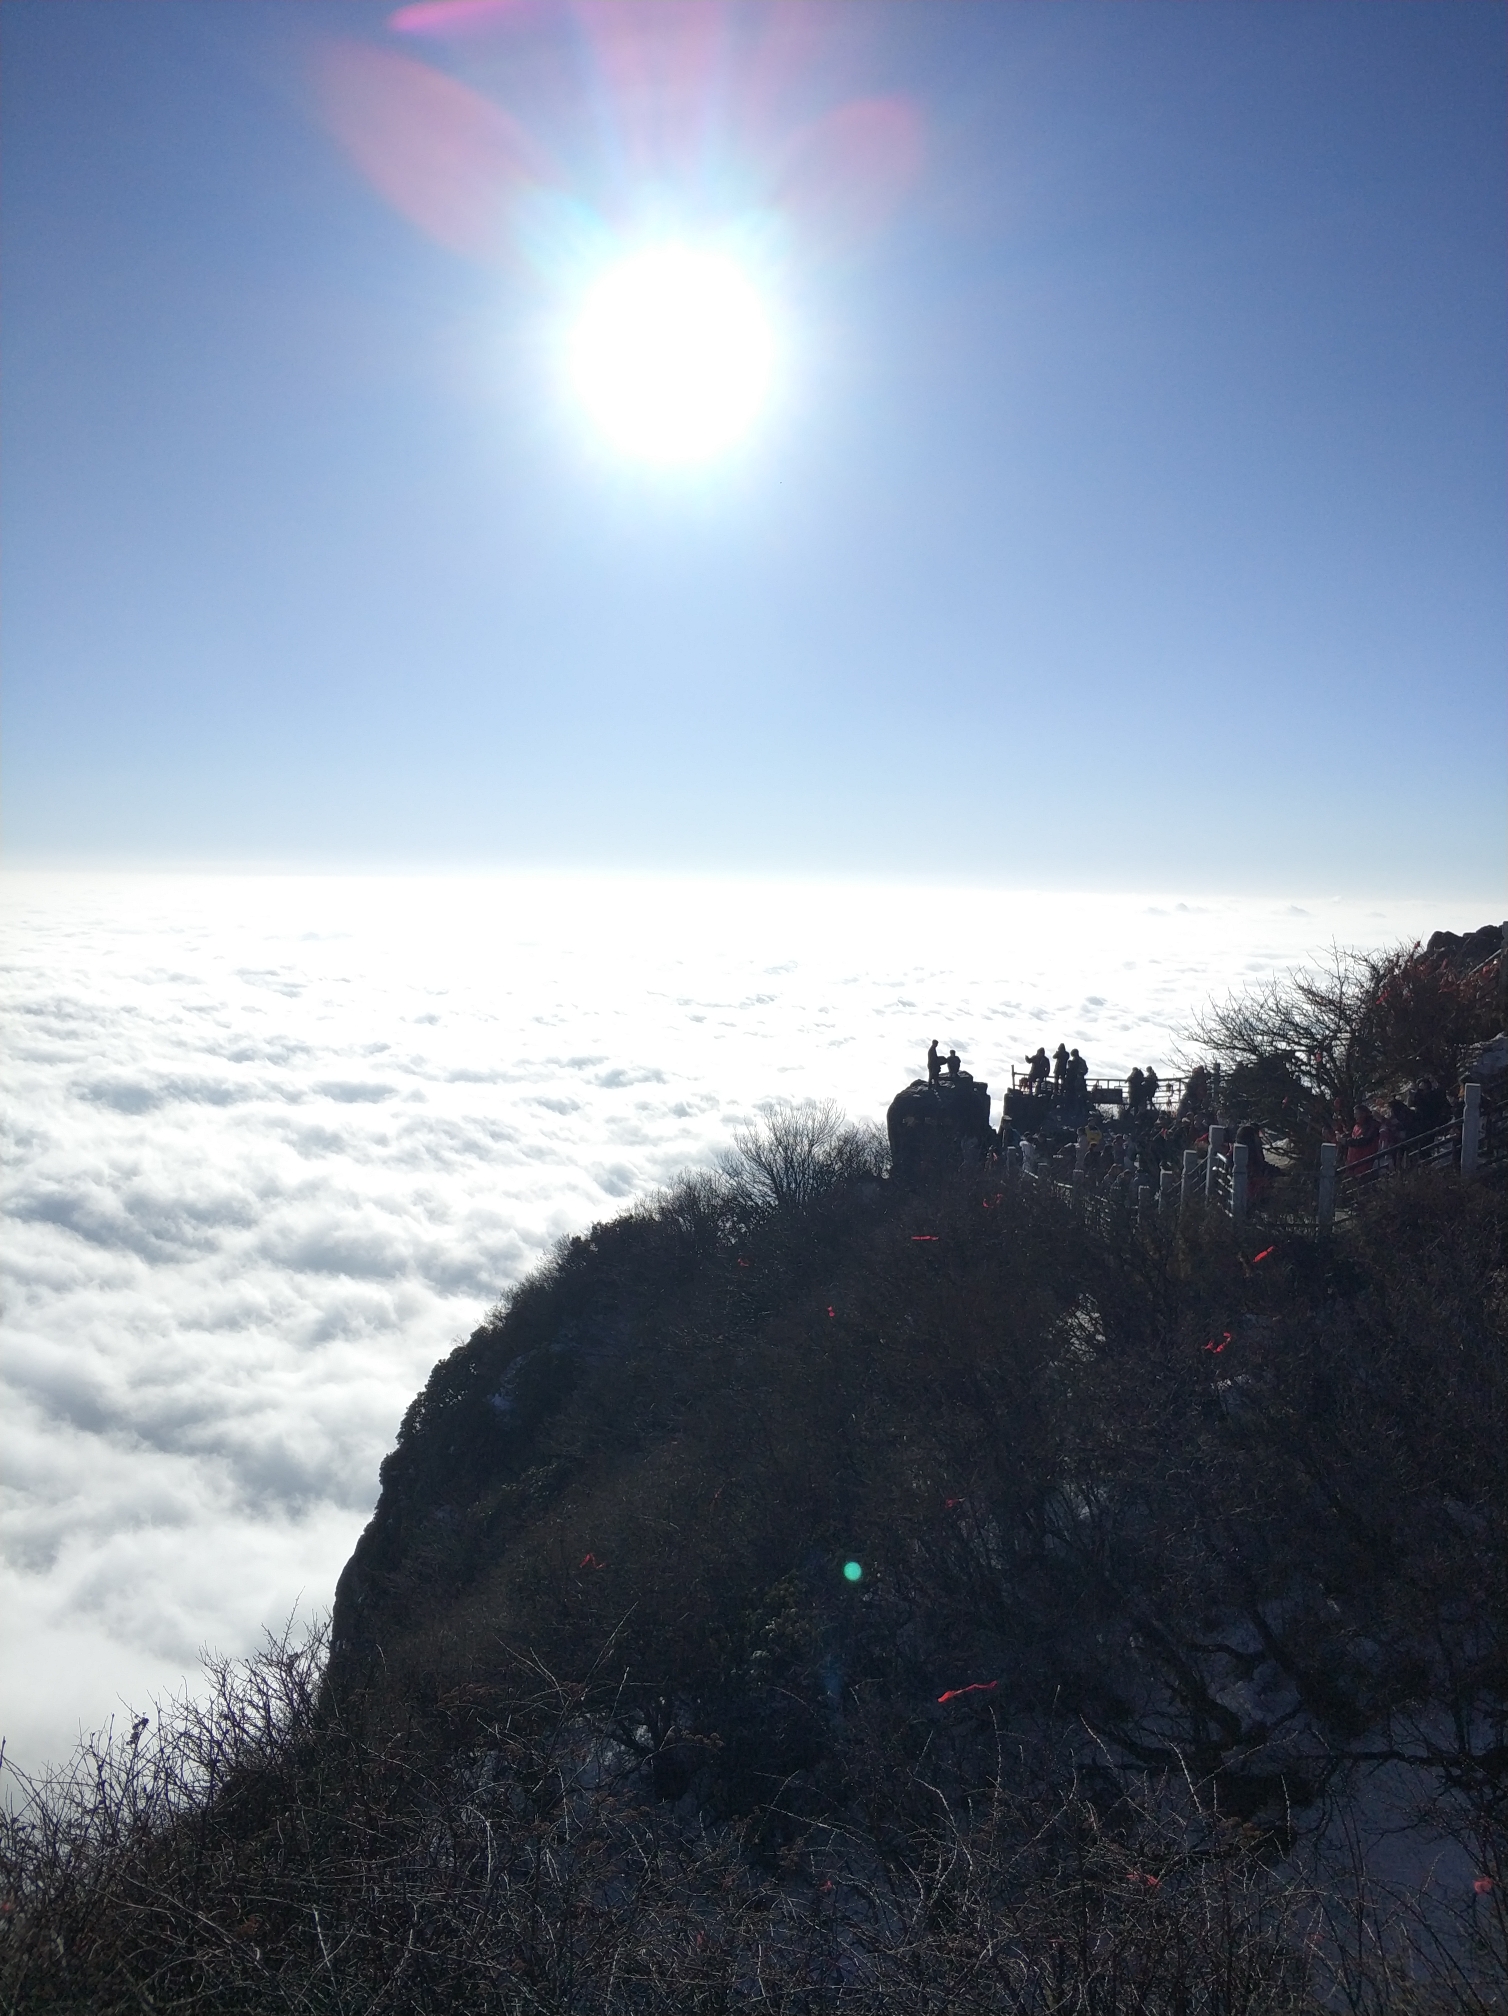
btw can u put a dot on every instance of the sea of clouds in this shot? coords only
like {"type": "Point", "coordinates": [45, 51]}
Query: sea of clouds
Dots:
{"type": "Point", "coordinates": [274, 1145]}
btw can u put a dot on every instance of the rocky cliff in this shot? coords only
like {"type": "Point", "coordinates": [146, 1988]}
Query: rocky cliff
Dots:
{"type": "Point", "coordinates": [1243, 1513]}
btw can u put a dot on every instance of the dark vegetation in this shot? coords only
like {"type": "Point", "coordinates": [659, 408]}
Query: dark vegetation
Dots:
{"type": "Point", "coordinates": [1171, 1549]}
{"type": "Point", "coordinates": [1305, 1050]}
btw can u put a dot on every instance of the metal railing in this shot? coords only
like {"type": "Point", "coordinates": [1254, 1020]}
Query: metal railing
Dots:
{"type": "Point", "coordinates": [1434, 1148]}
{"type": "Point", "coordinates": [1477, 1140]}
{"type": "Point", "coordinates": [1109, 1091]}
{"type": "Point", "coordinates": [1218, 1177]}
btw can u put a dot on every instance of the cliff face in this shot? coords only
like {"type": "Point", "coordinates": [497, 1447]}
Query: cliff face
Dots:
{"type": "Point", "coordinates": [747, 1468]}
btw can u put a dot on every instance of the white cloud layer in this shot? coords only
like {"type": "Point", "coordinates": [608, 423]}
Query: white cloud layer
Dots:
{"type": "Point", "coordinates": [274, 1145]}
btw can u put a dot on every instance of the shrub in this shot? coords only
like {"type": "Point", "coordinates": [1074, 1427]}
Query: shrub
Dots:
{"type": "Point", "coordinates": [248, 1856]}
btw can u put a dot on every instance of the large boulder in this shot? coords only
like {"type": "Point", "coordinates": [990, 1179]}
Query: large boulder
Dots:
{"type": "Point", "coordinates": [1463, 951]}
{"type": "Point", "coordinates": [1488, 1063]}
{"type": "Point", "coordinates": [935, 1127]}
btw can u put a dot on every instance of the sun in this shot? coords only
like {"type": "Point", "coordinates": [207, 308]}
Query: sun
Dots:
{"type": "Point", "coordinates": [673, 353]}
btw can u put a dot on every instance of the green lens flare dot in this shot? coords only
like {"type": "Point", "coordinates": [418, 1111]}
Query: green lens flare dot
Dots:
{"type": "Point", "coordinates": [852, 1572]}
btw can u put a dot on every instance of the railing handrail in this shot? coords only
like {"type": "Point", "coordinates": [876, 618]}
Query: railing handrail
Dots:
{"type": "Point", "coordinates": [1448, 1132]}
{"type": "Point", "coordinates": [1211, 1179]}
{"type": "Point", "coordinates": [1103, 1082]}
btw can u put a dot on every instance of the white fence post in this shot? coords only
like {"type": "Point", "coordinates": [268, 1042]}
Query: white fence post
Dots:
{"type": "Point", "coordinates": [1217, 1142]}
{"type": "Point", "coordinates": [1190, 1173]}
{"type": "Point", "coordinates": [1328, 1156]}
{"type": "Point", "coordinates": [1239, 1155]}
{"type": "Point", "coordinates": [1471, 1129]}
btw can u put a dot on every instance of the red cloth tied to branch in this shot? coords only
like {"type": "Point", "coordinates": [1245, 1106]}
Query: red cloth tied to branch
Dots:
{"type": "Point", "coordinates": [979, 1687]}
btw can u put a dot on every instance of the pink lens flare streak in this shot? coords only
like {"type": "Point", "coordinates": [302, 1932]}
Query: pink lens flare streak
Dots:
{"type": "Point", "coordinates": [453, 19]}
{"type": "Point", "coordinates": [687, 103]}
{"type": "Point", "coordinates": [445, 157]}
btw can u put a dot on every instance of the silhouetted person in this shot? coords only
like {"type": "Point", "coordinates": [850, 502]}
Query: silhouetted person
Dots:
{"type": "Point", "coordinates": [1151, 1084]}
{"type": "Point", "coordinates": [1258, 1168]}
{"type": "Point", "coordinates": [934, 1063]}
{"type": "Point", "coordinates": [1038, 1070]}
{"type": "Point", "coordinates": [1405, 1124]}
{"type": "Point", "coordinates": [1361, 1143]}
{"type": "Point", "coordinates": [1431, 1106]}
{"type": "Point", "coordinates": [1389, 1135]}
{"type": "Point", "coordinates": [1060, 1065]}
{"type": "Point", "coordinates": [1076, 1089]}
{"type": "Point", "coordinates": [952, 1063]}
{"type": "Point", "coordinates": [1196, 1094]}
{"type": "Point", "coordinates": [1136, 1090]}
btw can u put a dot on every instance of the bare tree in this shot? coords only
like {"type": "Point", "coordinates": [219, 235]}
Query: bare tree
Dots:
{"type": "Point", "coordinates": [800, 1152]}
{"type": "Point", "coordinates": [1335, 1034]}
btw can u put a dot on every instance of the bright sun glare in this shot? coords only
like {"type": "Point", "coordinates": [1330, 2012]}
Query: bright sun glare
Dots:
{"type": "Point", "coordinates": [673, 353]}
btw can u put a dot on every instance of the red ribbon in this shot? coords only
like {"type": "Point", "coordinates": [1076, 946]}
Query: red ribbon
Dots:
{"type": "Point", "coordinates": [979, 1687]}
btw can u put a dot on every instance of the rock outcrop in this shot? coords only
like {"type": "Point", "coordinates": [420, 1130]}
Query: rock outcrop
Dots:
{"type": "Point", "coordinates": [933, 1128]}
{"type": "Point", "coordinates": [1464, 951]}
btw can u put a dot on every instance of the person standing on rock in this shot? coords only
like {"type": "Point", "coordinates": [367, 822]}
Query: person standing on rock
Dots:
{"type": "Point", "coordinates": [934, 1063]}
{"type": "Point", "coordinates": [1060, 1065]}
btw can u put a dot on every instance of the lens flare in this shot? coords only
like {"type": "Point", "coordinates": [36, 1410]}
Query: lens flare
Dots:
{"type": "Point", "coordinates": [852, 1572]}
{"type": "Point", "coordinates": [673, 354]}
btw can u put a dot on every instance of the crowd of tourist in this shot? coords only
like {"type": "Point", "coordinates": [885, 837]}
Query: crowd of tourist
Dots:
{"type": "Point", "coordinates": [1378, 1141]}
{"type": "Point", "coordinates": [1117, 1134]}
{"type": "Point", "coordinates": [1055, 1118]}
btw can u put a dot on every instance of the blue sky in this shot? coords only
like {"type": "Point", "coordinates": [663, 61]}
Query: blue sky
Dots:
{"type": "Point", "coordinates": [1131, 511]}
